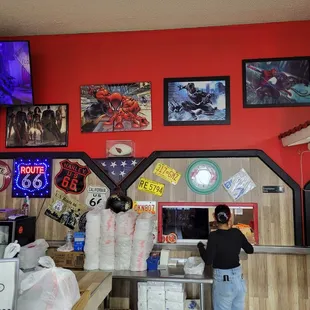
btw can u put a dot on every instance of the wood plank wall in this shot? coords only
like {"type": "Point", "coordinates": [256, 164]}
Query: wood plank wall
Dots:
{"type": "Point", "coordinates": [275, 211]}
{"type": "Point", "coordinates": [46, 227]}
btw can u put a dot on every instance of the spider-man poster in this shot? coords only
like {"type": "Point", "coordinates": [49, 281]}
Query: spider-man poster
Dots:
{"type": "Point", "coordinates": [276, 82]}
{"type": "Point", "coordinates": [116, 107]}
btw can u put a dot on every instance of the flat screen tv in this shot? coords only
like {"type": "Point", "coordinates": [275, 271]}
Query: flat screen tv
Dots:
{"type": "Point", "coordinates": [15, 73]}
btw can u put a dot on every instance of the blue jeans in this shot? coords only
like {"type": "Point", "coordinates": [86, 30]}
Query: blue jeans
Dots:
{"type": "Point", "coordinates": [229, 294]}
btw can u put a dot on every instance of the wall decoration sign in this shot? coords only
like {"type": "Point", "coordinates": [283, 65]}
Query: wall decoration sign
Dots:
{"type": "Point", "coordinates": [5, 176]}
{"type": "Point", "coordinates": [9, 282]}
{"type": "Point", "coordinates": [203, 176]}
{"type": "Point", "coordinates": [32, 177]}
{"type": "Point", "coordinates": [96, 197]}
{"type": "Point", "coordinates": [151, 187]}
{"type": "Point", "coordinates": [197, 101]}
{"type": "Point", "coordinates": [116, 107]}
{"type": "Point", "coordinates": [167, 173]}
{"type": "Point", "coordinates": [148, 207]}
{"type": "Point", "coordinates": [117, 169]}
{"type": "Point", "coordinates": [65, 210]}
{"type": "Point", "coordinates": [37, 126]}
{"type": "Point", "coordinates": [72, 177]}
{"type": "Point", "coordinates": [276, 82]}
{"type": "Point", "coordinates": [239, 184]}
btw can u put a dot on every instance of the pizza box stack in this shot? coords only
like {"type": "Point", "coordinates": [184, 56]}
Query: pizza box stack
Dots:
{"type": "Point", "coordinates": [175, 296]}
{"type": "Point", "coordinates": [161, 296]}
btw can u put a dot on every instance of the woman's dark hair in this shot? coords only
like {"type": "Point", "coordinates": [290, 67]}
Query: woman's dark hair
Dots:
{"type": "Point", "coordinates": [222, 214]}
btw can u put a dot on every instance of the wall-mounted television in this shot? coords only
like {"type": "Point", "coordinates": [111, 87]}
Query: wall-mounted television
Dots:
{"type": "Point", "coordinates": [15, 73]}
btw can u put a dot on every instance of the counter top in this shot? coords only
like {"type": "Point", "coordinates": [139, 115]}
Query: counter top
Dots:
{"type": "Point", "coordinates": [169, 275]}
{"type": "Point", "coordinates": [258, 249]}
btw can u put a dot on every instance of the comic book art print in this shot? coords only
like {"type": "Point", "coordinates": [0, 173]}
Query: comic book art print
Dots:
{"type": "Point", "coordinates": [116, 107]}
{"type": "Point", "coordinates": [196, 101]}
{"type": "Point", "coordinates": [276, 82]}
{"type": "Point", "coordinates": [37, 126]}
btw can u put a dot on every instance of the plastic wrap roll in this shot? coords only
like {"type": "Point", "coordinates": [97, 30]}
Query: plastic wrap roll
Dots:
{"type": "Point", "coordinates": [92, 240]}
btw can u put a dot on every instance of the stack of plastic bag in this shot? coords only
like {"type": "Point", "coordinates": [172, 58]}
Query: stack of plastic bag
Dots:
{"type": "Point", "coordinates": [50, 288]}
{"type": "Point", "coordinates": [125, 226]}
{"type": "Point", "coordinates": [142, 242]}
{"type": "Point", "coordinates": [92, 240]}
{"type": "Point", "coordinates": [107, 240]}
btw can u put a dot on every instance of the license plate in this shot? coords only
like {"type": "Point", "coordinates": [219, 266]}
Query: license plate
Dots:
{"type": "Point", "coordinates": [167, 173]}
{"type": "Point", "coordinates": [150, 186]}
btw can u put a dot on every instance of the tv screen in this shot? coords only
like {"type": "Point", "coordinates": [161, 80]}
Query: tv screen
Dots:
{"type": "Point", "coordinates": [15, 73]}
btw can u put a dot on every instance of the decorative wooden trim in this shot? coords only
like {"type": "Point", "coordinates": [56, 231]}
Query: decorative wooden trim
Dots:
{"type": "Point", "coordinates": [297, 204]}
{"type": "Point", "coordinates": [306, 204]}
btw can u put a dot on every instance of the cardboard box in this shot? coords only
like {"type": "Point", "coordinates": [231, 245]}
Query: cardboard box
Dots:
{"type": "Point", "coordinates": [174, 287]}
{"type": "Point", "coordinates": [171, 305]}
{"type": "Point", "coordinates": [175, 296]}
{"type": "Point", "coordinates": [5, 213]}
{"type": "Point", "coordinates": [72, 260]}
{"type": "Point", "coordinates": [155, 286]}
{"type": "Point", "coordinates": [142, 305]}
{"type": "Point", "coordinates": [142, 291]}
{"type": "Point", "coordinates": [156, 305]}
{"type": "Point", "coordinates": [156, 295]}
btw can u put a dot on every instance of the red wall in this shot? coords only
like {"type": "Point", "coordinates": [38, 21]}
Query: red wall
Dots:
{"type": "Point", "coordinates": [62, 63]}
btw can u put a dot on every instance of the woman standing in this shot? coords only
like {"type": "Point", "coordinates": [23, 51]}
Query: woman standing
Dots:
{"type": "Point", "coordinates": [223, 249]}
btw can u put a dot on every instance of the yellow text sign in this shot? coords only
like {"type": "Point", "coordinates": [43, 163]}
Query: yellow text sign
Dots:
{"type": "Point", "coordinates": [150, 186]}
{"type": "Point", "coordinates": [167, 173]}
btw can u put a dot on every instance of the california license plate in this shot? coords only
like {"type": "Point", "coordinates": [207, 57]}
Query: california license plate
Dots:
{"type": "Point", "coordinates": [167, 173]}
{"type": "Point", "coordinates": [150, 186]}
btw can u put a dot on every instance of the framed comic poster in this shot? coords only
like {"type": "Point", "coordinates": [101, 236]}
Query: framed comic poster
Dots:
{"type": "Point", "coordinates": [276, 82]}
{"type": "Point", "coordinates": [44, 125]}
{"type": "Point", "coordinates": [197, 101]}
{"type": "Point", "coordinates": [116, 107]}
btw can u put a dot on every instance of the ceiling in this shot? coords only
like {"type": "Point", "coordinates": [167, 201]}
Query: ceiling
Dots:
{"type": "Point", "coordinates": [37, 17]}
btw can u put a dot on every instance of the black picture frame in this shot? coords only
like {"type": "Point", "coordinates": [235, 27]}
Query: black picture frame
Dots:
{"type": "Point", "coordinates": [32, 135]}
{"type": "Point", "coordinates": [276, 82]}
{"type": "Point", "coordinates": [175, 109]}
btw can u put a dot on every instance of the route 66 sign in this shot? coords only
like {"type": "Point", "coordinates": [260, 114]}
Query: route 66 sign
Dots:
{"type": "Point", "coordinates": [72, 177]}
{"type": "Point", "coordinates": [5, 176]}
{"type": "Point", "coordinates": [96, 197]}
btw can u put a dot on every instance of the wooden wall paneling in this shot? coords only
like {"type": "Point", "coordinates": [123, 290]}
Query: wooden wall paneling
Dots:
{"type": "Point", "coordinates": [275, 211]}
{"type": "Point", "coordinates": [46, 227]}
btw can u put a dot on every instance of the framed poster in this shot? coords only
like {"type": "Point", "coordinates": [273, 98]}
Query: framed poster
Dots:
{"type": "Point", "coordinates": [197, 101]}
{"type": "Point", "coordinates": [32, 177]}
{"type": "Point", "coordinates": [9, 281]}
{"type": "Point", "coordinates": [276, 82]}
{"type": "Point", "coordinates": [116, 107]}
{"type": "Point", "coordinates": [37, 126]}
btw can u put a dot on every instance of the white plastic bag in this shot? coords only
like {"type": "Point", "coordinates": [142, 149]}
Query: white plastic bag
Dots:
{"type": "Point", "coordinates": [194, 265]}
{"type": "Point", "coordinates": [29, 254]}
{"type": "Point", "coordinates": [53, 288]}
{"type": "Point", "coordinates": [11, 250]}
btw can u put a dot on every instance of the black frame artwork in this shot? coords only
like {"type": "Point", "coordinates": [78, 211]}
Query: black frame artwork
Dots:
{"type": "Point", "coordinates": [276, 82]}
{"type": "Point", "coordinates": [186, 104]}
{"type": "Point", "coordinates": [33, 130]}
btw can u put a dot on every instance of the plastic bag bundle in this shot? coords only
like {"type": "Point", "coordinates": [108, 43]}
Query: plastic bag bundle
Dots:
{"type": "Point", "coordinates": [194, 265]}
{"type": "Point", "coordinates": [50, 288]}
{"type": "Point", "coordinates": [125, 223]}
{"type": "Point", "coordinates": [107, 240]}
{"type": "Point", "coordinates": [29, 254]}
{"type": "Point", "coordinates": [122, 252]}
{"type": "Point", "coordinates": [142, 242]}
{"type": "Point", "coordinates": [92, 240]}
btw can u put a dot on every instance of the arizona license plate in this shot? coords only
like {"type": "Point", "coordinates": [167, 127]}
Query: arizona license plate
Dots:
{"type": "Point", "coordinates": [150, 186]}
